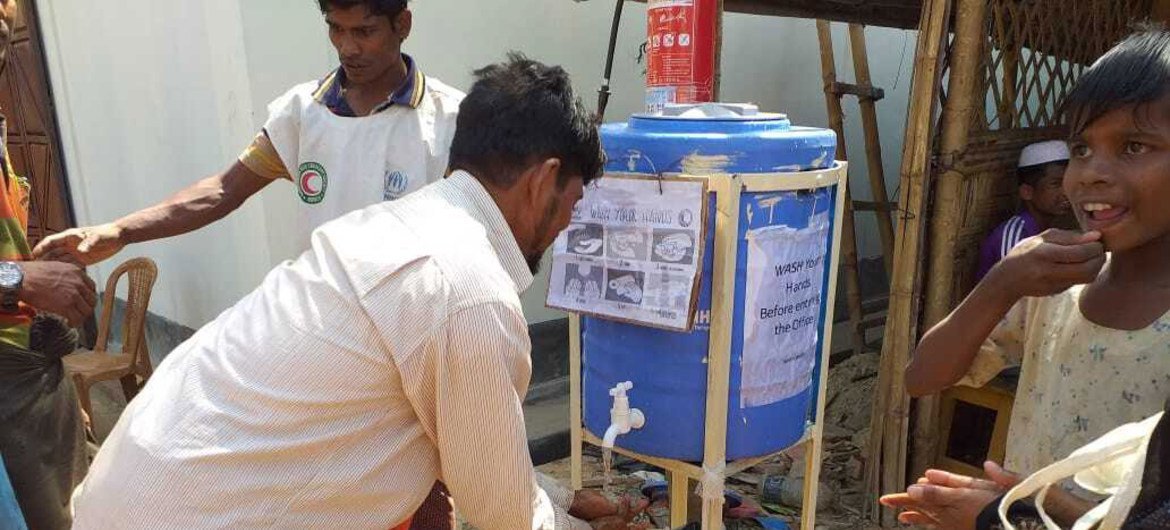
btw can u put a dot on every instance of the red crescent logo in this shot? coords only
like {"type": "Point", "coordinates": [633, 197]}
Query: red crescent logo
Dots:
{"type": "Point", "coordinates": [307, 182]}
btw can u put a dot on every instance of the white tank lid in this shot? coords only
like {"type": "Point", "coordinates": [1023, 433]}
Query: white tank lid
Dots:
{"type": "Point", "coordinates": [715, 111]}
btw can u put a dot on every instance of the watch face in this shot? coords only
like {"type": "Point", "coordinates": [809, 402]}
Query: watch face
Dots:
{"type": "Point", "coordinates": [10, 276]}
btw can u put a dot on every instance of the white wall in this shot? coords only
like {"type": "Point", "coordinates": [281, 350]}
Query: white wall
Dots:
{"type": "Point", "coordinates": [153, 95]}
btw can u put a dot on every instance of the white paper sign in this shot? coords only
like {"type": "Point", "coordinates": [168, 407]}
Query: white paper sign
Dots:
{"type": "Point", "coordinates": [785, 278]}
{"type": "Point", "coordinates": [632, 252]}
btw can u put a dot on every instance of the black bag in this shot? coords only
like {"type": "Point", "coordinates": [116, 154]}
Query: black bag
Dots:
{"type": "Point", "coordinates": [42, 436]}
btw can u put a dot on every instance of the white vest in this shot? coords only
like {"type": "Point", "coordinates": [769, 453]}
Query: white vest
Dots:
{"type": "Point", "coordinates": [340, 164]}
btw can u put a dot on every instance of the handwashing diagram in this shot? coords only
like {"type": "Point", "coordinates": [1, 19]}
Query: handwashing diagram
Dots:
{"type": "Point", "coordinates": [628, 244]}
{"type": "Point", "coordinates": [632, 251]}
{"type": "Point", "coordinates": [674, 246]}
{"type": "Point", "coordinates": [625, 286]}
{"type": "Point", "coordinates": [584, 282]}
{"type": "Point", "coordinates": [586, 239]}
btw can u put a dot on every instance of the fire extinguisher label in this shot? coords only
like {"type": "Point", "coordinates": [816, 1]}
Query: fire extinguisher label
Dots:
{"type": "Point", "coordinates": [680, 51]}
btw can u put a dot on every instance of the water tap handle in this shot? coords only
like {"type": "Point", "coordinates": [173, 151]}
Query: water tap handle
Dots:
{"type": "Point", "coordinates": [621, 388]}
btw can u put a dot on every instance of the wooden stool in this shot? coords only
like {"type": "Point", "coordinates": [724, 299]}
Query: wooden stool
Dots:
{"type": "Point", "coordinates": [974, 426]}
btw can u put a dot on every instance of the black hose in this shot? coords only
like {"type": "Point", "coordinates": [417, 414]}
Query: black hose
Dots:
{"type": "Point", "coordinates": [604, 93]}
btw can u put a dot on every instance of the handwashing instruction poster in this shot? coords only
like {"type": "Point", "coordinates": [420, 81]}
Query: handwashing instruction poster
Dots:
{"type": "Point", "coordinates": [785, 279]}
{"type": "Point", "coordinates": [633, 251]}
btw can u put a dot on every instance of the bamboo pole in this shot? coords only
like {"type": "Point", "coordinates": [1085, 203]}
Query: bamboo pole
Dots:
{"type": "Point", "coordinates": [885, 456]}
{"type": "Point", "coordinates": [849, 236]}
{"type": "Point", "coordinates": [965, 98]}
{"type": "Point", "coordinates": [873, 145]}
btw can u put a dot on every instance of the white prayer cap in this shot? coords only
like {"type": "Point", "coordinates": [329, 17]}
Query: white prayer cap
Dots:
{"type": "Point", "coordinates": [1044, 152]}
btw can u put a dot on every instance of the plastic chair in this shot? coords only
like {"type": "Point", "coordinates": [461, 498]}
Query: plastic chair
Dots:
{"type": "Point", "coordinates": [133, 362]}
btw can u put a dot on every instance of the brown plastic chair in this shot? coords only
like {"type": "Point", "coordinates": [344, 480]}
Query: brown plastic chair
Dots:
{"type": "Point", "coordinates": [89, 367]}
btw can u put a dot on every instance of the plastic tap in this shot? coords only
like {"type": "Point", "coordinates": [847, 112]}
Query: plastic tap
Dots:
{"type": "Point", "coordinates": [622, 418]}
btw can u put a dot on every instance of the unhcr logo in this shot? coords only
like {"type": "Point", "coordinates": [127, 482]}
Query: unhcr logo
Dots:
{"type": "Point", "coordinates": [396, 185]}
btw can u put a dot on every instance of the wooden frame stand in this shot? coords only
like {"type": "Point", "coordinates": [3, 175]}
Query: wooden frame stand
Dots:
{"type": "Point", "coordinates": [715, 467]}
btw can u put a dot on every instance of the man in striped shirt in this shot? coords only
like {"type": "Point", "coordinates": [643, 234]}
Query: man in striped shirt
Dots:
{"type": "Point", "coordinates": [1040, 173]}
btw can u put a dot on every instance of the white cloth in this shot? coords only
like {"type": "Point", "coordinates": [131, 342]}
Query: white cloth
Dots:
{"type": "Point", "coordinates": [391, 354]}
{"type": "Point", "coordinates": [339, 164]}
{"type": "Point", "coordinates": [1112, 465]}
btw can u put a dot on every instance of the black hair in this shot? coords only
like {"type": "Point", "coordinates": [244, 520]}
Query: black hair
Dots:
{"type": "Point", "coordinates": [519, 112]}
{"type": "Point", "coordinates": [1135, 72]}
{"type": "Point", "coordinates": [1031, 175]}
{"type": "Point", "coordinates": [389, 8]}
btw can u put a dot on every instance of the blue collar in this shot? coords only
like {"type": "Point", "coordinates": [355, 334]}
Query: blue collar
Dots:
{"type": "Point", "coordinates": [410, 94]}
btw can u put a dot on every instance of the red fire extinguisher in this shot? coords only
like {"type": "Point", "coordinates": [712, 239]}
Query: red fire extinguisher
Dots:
{"type": "Point", "coordinates": [680, 51]}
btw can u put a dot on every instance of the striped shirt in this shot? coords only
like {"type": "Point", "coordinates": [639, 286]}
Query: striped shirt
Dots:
{"type": "Point", "coordinates": [391, 354]}
{"type": "Point", "coordinates": [1004, 238]}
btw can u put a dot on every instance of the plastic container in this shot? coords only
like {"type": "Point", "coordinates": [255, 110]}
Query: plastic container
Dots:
{"type": "Point", "coordinates": [669, 369]}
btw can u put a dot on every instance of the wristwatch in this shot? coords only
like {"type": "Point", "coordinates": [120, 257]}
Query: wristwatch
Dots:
{"type": "Point", "coordinates": [11, 280]}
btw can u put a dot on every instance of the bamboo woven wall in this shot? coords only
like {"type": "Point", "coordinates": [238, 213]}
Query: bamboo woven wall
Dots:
{"type": "Point", "coordinates": [1034, 52]}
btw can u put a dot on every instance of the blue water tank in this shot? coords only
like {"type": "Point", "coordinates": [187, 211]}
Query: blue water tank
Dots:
{"type": "Point", "coordinates": [669, 369]}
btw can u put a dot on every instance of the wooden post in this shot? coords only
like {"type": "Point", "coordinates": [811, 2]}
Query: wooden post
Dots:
{"type": "Point", "coordinates": [575, 423]}
{"type": "Point", "coordinates": [849, 235]}
{"type": "Point", "coordinates": [679, 490]}
{"type": "Point", "coordinates": [815, 448]}
{"type": "Point", "coordinates": [885, 455]}
{"type": "Point", "coordinates": [965, 98]}
{"type": "Point", "coordinates": [727, 192]}
{"type": "Point", "coordinates": [873, 145]}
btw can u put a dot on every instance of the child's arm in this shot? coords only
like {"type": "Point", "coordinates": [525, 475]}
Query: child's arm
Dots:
{"type": "Point", "coordinates": [1039, 266]}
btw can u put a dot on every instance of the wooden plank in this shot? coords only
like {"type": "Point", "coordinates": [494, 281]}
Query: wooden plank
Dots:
{"type": "Point", "coordinates": [873, 145]}
{"type": "Point", "coordinates": [813, 455]}
{"type": "Point", "coordinates": [678, 467]}
{"type": "Point", "coordinates": [679, 493]}
{"type": "Point", "coordinates": [575, 424]}
{"type": "Point", "coordinates": [805, 180]}
{"type": "Point", "coordinates": [849, 238]}
{"type": "Point", "coordinates": [862, 91]}
{"type": "Point", "coordinates": [885, 470]}
{"type": "Point", "coordinates": [870, 206]}
{"type": "Point", "coordinates": [965, 98]}
{"type": "Point", "coordinates": [727, 195]}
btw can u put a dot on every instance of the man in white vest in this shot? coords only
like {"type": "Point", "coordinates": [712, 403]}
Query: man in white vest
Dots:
{"type": "Point", "coordinates": [374, 129]}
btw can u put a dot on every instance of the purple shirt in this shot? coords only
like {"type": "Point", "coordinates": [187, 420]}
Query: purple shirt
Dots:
{"type": "Point", "coordinates": [1003, 239]}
